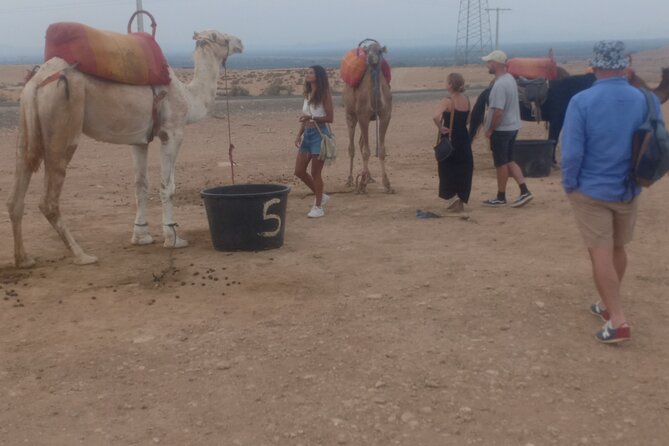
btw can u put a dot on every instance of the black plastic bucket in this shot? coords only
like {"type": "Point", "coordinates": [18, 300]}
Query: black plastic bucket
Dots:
{"type": "Point", "coordinates": [246, 217]}
{"type": "Point", "coordinates": [534, 156]}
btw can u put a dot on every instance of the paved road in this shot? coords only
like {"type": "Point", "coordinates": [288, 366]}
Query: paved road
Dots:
{"type": "Point", "coordinates": [8, 115]}
{"type": "Point", "coordinates": [9, 111]}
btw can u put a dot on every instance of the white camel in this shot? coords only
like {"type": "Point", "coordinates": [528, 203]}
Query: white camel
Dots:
{"type": "Point", "coordinates": [371, 100]}
{"type": "Point", "coordinates": [59, 104]}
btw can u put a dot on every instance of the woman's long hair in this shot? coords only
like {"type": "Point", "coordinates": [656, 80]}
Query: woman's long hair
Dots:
{"type": "Point", "coordinates": [322, 86]}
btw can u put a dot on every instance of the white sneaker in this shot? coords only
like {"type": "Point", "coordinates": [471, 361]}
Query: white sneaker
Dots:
{"type": "Point", "coordinates": [452, 202]}
{"type": "Point", "coordinates": [316, 212]}
{"type": "Point", "coordinates": [324, 200]}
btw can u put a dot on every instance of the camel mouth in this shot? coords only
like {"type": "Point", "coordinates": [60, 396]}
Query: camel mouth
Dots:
{"type": "Point", "coordinates": [237, 47]}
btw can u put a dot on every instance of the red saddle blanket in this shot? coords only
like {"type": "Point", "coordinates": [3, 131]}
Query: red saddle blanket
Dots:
{"type": "Point", "coordinates": [133, 58]}
{"type": "Point", "coordinates": [354, 64]}
{"type": "Point", "coordinates": [532, 68]}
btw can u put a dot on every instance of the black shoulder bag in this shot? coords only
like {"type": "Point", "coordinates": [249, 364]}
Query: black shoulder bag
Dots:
{"type": "Point", "coordinates": [443, 150]}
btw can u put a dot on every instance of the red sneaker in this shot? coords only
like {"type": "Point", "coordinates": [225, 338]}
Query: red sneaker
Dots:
{"type": "Point", "coordinates": [610, 335]}
{"type": "Point", "coordinates": [597, 310]}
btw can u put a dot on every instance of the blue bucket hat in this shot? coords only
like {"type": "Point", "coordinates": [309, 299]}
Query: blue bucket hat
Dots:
{"type": "Point", "coordinates": [609, 55]}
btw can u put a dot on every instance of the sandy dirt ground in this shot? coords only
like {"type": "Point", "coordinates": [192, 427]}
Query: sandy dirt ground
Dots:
{"type": "Point", "coordinates": [368, 327]}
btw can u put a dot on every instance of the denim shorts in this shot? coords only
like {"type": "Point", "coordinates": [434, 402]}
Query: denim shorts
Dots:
{"type": "Point", "coordinates": [311, 140]}
{"type": "Point", "coordinates": [501, 143]}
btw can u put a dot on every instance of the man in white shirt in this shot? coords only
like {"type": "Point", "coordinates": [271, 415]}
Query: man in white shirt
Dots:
{"type": "Point", "coordinates": [503, 126]}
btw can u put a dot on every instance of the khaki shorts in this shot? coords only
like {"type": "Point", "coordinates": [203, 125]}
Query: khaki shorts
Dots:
{"type": "Point", "coordinates": [604, 223]}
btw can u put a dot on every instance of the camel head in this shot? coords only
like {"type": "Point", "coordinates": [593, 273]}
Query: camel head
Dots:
{"type": "Point", "coordinates": [375, 53]}
{"type": "Point", "coordinates": [220, 44]}
{"type": "Point", "coordinates": [662, 90]}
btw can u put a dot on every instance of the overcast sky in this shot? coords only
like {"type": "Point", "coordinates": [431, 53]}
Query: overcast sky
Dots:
{"type": "Point", "coordinates": [263, 24]}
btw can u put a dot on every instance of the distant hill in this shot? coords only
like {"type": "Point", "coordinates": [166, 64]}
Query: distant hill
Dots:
{"type": "Point", "coordinates": [418, 56]}
{"type": "Point", "coordinates": [18, 55]}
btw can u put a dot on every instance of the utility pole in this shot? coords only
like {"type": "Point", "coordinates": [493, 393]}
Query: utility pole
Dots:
{"type": "Point", "coordinates": [497, 10]}
{"type": "Point", "coordinates": [140, 17]}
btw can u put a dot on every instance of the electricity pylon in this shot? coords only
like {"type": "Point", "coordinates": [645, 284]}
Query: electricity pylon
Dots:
{"type": "Point", "coordinates": [473, 38]}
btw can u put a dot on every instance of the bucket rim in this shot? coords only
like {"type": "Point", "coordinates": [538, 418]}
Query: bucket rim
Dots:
{"type": "Point", "coordinates": [283, 188]}
{"type": "Point", "coordinates": [537, 141]}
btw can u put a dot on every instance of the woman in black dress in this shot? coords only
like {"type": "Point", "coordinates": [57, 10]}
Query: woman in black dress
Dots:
{"type": "Point", "coordinates": [455, 173]}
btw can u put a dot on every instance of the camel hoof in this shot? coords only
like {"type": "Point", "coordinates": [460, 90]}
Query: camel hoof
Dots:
{"type": "Point", "coordinates": [26, 262]}
{"type": "Point", "coordinates": [349, 182]}
{"type": "Point", "coordinates": [141, 239]}
{"type": "Point", "coordinates": [85, 259]}
{"type": "Point", "coordinates": [390, 190]}
{"type": "Point", "coordinates": [171, 244]}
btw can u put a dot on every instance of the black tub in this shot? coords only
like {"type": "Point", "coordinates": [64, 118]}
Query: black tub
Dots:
{"type": "Point", "coordinates": [534, 156]}
{"type": "Point", "coordinates": [246, 217]}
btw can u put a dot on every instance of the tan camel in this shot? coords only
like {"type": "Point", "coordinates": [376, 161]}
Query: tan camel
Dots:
{"type": "Point", "coordinates": [662, 89]}
{"type": "Point", "coordinates": [59, 104]}
{"type": "Point", "coordinates": [370, 100]}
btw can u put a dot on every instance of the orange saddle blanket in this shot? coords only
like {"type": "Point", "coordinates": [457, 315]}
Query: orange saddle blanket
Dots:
{"type": "Point", "coordinates": [354, 64]}
{"type": "Point", "coordinates": [532, 68]}
{"type": "Point", "coordinates": [133, 58]}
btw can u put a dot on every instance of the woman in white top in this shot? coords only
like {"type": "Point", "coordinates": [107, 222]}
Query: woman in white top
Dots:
{"type": "Point", "coordinates": [317, 110]}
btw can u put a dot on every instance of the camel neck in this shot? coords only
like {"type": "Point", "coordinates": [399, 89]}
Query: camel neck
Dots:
{"type": "Point", "coordinates": [205, 78]}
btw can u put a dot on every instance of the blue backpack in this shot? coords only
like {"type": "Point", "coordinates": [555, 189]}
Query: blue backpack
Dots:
{"type": "Point", "coordinates": [650, 159]}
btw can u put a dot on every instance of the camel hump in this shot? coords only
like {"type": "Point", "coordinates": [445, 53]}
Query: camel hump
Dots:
{"type": "Point", "coordinates": [354, 65]}
{"type": "Point", "coordinates": [134, 59]}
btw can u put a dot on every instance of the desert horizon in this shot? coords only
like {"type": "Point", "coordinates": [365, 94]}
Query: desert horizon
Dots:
{"type": "Point", "coordinates": [289, 81]}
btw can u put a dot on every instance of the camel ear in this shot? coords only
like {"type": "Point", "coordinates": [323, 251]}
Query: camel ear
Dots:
{"type": "Point", "coordinates": [195, 35]}
{"type": "Point", "coordinates": [213, 37]}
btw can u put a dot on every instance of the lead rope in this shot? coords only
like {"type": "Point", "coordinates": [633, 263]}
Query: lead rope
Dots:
{"type": "Point", "coordinates": [227, 105]}
{"type": "Point", "coordinates": [376, 92]}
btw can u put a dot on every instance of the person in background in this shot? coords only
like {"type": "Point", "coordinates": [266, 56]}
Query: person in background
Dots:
{"type": "Point", "coordinates": [317, 112]}
{"type": "Point", "coordinates": [455, 173]}
{"type": "Point", "coordinates": [596, 162]}
{"type": "Point", "coordinates": [502, 129]}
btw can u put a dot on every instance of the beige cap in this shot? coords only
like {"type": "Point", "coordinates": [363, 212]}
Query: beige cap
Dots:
{"type": "Point", "coordinates": [496, 56]}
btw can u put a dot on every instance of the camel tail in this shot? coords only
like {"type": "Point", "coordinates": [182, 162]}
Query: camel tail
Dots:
{"type": "Point", "coordinates": [31, 144]}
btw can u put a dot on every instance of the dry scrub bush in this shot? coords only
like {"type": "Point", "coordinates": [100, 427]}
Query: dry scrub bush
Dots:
{"type": "Point", "coordinates": [277, 88]}
{"type": "Point", "coordinates": [239, 91]}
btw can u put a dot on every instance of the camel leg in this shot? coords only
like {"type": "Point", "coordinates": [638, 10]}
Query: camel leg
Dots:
{"type": "Point", "coordinates": [364, 176]}
{"type": "Point", "coordinates": [383, 126]}
{"type": "Point", "coordinates": [140, 233]}
{"type": "Point", "coordinates": [55, 164]}
{"type": "Point", "coordinates": [61, 113]}
{"type": "Point", "coordinates": [170, 149]}
{"type": "Point", "coordinates": [15, 206]}
{"type": "Point", "coordinates": [351, 122]}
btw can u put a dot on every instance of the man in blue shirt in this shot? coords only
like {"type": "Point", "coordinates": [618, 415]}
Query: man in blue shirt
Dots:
{"type": "Point", "coordinates": [596, 162]}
